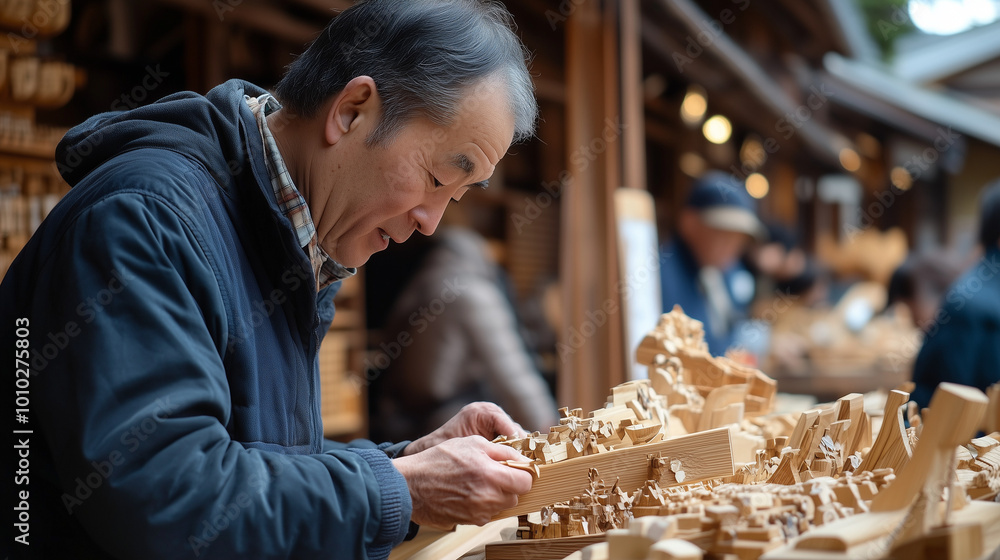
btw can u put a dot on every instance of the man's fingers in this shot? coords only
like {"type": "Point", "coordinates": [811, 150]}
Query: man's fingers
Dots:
{"type": "Point", "coordinates": [503, 425]}
{"type": "Point", "coordinates": [499, 452]}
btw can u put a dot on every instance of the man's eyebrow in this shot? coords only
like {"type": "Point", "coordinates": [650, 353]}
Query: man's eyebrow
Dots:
{"type": "Point", "coordinates": [465, 164]}
{"type": "Point", "coordinates": [468, 167]}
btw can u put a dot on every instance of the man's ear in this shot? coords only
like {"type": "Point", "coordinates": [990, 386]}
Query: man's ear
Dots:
{"type": "Point", "coordinates": [355, 105]}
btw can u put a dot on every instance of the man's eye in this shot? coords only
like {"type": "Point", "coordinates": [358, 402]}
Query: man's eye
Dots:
{"type": "Point", "coordinates": [437, 183]}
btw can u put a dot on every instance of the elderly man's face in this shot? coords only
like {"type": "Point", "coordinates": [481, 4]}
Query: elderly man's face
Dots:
{"type": "Point", "coordinates": [378, 194]}
{"type": "Point", "coordinates": [711, 247]}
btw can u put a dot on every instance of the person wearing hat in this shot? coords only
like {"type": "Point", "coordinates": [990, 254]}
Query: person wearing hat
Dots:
{"type": "Point", "coordinates": [962, 345]}
{"type": "Point", "coordinates": [699, 267]}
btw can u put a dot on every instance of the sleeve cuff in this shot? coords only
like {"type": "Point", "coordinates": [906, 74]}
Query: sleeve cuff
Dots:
{"type": "Point", "coordinates": [393, 450]}
{"type": "Point", "coordinates": [396, 504]}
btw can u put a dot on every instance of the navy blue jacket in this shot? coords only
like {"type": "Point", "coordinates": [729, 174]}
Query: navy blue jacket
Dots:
{"type": "Point", "coordinates": [963, 344]}
{"type": "Point", "coordinates": [174, 327]}
{"type": "Point", "coordinates": [679, 285]}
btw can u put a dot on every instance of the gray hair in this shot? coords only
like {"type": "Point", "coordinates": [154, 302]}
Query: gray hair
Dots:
{"type": "Point", "coordinates": [424, 56]}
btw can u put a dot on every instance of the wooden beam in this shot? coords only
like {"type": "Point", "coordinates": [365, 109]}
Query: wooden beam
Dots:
{"type": "Point", "coordinates": [824, 143]}
{"type": "Point", "coordinates": [619, 364]}
{"type": "Point", "coordinates": [703, 455]}
{"type": "Point", "coordinates": [262, 18]}
{"type": "Point", "coordinates": [587, 364]}
{"type": "Point", "coordinates": [634, 140]}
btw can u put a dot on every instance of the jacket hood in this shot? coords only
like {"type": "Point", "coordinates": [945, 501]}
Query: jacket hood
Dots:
{"type": "Point", "coordinates": [210, 129]}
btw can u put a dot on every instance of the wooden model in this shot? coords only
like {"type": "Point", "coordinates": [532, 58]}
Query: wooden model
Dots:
{"type": "Point", "coordinates": [621, 483]}
{"type": "Point", "coordinates": [795, 478]}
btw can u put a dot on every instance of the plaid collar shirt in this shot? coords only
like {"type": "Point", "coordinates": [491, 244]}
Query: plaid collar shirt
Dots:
{"type": "Point", "coordinates": [290, 201]}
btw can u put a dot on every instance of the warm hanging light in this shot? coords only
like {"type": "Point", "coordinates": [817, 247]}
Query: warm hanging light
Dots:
{"type": "Point", "coordinates": [694, 106]}
{"type": "Point", "coordinates": [752, 153]}
{"type": "Point", "coordinates": [692, 164]}
{"type": "Point", "coordinates": [850, 160]}
{"type": "Point", "coordinates": [757, 185]}
{"type": "Point", "coordinates": [717, 129]}
{"type": "Point", "coordinates": [901, 178]}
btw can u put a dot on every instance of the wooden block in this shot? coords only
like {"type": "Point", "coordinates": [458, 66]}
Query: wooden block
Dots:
{"type": "Point", "coordinates": [892, 447]}
{"type": "Point", "coordinates": [717, 400]}
{"type": "Point", "coordinates": [954, 414]}
{"type": "Point", "coordinates": [763, 534]}
{"type": "Point", "coordinates": [540, 549]}
{"type": "Point", "coordinates": [869, 535]}
{"type": "Point", "coordinates": [787, 472]}
{"type": "Point", "coordinates": [963, 456]}
{"type": "Point", "coordinates": [745, 550]}
{"type": "Point", "coordinates": [675, 549]}
{"type": "Point", "coordinates": [597, 551]}
{"type": "Point", "coordinates": [984, 445]}
{"type": "Point", "coordinates": [430, 544]}
{"type": "Point", "coordinates": [806, 420]}
{"type": "Point", "coordinates": [625, 545]}
{"type": "Point", "coordinates": [704, 455]}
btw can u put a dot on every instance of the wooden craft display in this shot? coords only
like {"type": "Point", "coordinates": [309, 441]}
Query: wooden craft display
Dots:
{"type": "Point", "coordinates": [817, 485]}
{"type": "Point", "coordinates": [676, 347]}
{"type": "Point", "coordinates": [909, 515]}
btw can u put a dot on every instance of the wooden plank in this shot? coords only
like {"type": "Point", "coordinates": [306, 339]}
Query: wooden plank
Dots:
{"type": "Point", "coordinates": [703, 455]}
{"type": "Point", "coordinates": [431, 544]}
{"type": "Point", "coordinates": [540, 549]}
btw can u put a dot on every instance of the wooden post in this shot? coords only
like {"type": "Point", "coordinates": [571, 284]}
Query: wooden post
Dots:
{"type": "Point", "coordinates": [633, 104]}
{"type": "Point", "coordinates": [590, 351]}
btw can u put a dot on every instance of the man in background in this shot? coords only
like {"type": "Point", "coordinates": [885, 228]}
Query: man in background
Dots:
{"type": "Point", "coordinates": [962, 345]}
{"type": "Point", "coordinates": [699, 267]}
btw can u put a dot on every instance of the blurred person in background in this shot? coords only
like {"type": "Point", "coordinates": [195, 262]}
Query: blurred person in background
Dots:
{"type": "Point", "coordinates": [462, 345]}
{"type": "Point", "coordinates": [700, 267]}
{"type": "Point", "coordinates": [962, 344]}
{"type": "Point", "coordinates": [920, 284]}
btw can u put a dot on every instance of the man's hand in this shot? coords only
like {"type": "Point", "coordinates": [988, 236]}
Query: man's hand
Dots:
{"type": "Point", "coordinates": [477, 419]}
{"type": "Point", "coordinates": [460, 481]}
